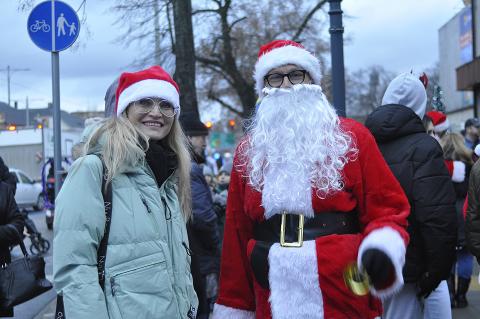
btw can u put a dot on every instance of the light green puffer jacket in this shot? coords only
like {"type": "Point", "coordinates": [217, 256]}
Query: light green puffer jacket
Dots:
{"type": "Point", "coordinates": [148, 263]}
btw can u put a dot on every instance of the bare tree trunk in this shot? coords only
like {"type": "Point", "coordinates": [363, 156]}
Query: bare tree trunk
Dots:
{"type": "Point", "coordinates": [185, 57]}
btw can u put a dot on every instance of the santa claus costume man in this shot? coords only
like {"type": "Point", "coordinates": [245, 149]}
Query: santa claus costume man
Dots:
{"type": "Point", "coordinates": [310, 194]}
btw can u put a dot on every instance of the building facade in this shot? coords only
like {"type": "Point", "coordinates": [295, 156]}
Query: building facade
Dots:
{"type": "Point", "coordinates": [455, 50]}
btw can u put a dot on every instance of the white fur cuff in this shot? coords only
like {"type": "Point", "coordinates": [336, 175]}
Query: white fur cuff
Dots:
{"type": "Point", "coordinates": [391, 243]}
{"type": "Point", "coordinates": [224, 312]}
{"type": "Point", "coordinates": [148, 88]}
{"type": "Point", "coordinates": [458, 175]}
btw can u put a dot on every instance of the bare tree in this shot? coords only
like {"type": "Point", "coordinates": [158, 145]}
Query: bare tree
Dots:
{"type": "Point", "coordinates": [433, 74]}
{"type": "Point", "coordinates": [185, 57]}
{"type": "Point", "coordinates": [365, 89]}
{"type": "Point", "coordinates": [148, 25]}
{"type": "Point", "coordinates": [234, 30]}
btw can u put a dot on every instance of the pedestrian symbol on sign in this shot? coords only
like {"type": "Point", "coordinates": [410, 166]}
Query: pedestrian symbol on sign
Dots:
{"type": "Point", "coordinates": [61, 21]}
{"type": "Point", "coordinates": [72, 29]}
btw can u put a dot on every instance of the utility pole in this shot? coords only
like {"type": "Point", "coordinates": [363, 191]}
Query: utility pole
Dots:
{"type": "Point", "coordinates": [9, 71]}
{"type": "Point", "coordinates": [27, 120]}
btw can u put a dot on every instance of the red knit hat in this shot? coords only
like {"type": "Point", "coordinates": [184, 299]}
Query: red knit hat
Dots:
{"type": "Point", "coordinates": [151, 82]}
{"type": "Point", "coordinates": [439, 121]}
{"type": "Point", "coordinates": [282, 52]}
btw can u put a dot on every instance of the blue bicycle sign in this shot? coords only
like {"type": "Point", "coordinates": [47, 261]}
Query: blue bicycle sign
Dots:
{"type": "Point", "coordinates": [40, 25]}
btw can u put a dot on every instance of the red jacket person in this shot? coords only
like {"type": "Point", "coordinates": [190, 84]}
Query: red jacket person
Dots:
{"type": "Point", "coordinates": [300, 160]}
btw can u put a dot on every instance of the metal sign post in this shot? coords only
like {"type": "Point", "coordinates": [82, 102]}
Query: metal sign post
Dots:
{"type": "Point", "coordinates": [54, 26]}
{"type": "Point", "coordinates": [336, 47]}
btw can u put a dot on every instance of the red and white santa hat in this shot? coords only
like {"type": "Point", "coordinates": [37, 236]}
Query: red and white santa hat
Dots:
{"type": "Point", "coordinates": [439, 121]}
{"type": "Point", "coordinates": [153, 82]}
{"type": "Point", "coordinates": [283, 52]}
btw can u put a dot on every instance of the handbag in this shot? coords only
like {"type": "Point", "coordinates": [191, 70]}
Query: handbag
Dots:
{"type": "Point", "coordinates": [102, 249]}
{"type": "Point", "coordinates": [23, 278]}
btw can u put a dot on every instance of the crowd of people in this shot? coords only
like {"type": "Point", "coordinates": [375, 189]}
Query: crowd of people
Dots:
{"type": "Point", "coordinates": [316, 216]}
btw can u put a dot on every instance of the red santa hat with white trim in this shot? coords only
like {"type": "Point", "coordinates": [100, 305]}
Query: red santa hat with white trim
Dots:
{"type": "Point", "coordinates": [282, 52]}
{"type": "Point", "coordinates": [439, 121]}
{"type": "Point", "coordinates": [153, 82]}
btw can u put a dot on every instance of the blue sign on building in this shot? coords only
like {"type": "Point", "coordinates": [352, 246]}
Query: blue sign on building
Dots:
{"type": "Point", "coordinates": [466, 36]}
{"type": "Point", "coordinates": [53, 34]}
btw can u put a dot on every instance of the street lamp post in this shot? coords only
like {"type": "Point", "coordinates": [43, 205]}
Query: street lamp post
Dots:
{"type": "Point", "coordinates": [336, 49]}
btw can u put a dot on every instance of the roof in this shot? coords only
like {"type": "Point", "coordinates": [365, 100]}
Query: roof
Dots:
{"type": "Point", "coordinates": [18, 116]}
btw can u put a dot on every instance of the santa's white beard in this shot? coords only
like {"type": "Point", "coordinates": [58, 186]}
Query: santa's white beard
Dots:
{"type": "Point", "coordinates": [296, 143]}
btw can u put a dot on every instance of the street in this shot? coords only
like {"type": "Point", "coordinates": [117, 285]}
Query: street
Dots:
{"type": "Point", "coordinates": [33, 307]}
{"type": "Point", "coordinates": [43, 306]}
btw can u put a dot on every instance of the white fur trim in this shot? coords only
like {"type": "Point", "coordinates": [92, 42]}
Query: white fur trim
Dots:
{"type": "Point", "coordinates": [294, 283]}
{"type": "Point", "coordinates": [458, 175]}
{"type": "Point", "coordinates": [442, 126]}
{"type": "Point", "coordinates": [224, 312]}
{"type": "Point", "coordinates": [148, 88]}
{"type": "Point", "coordinates": [391, 243]}
{"type": "Point", "coordinates": [286, 55]}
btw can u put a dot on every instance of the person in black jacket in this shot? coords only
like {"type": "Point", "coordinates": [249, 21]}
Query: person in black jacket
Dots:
{"type": "Point", "coordinates": [203, 229]}
{"type": "Point", "coordinates": [416, 160]}
{"type": "Point", "coordinates": [7, 177]}
{"type": "Point", "coordinates": [459, 158]}
{"type": "Point", "coordinates": [9, 215]}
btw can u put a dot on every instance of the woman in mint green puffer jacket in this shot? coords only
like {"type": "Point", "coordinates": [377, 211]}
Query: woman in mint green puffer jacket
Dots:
{"type": "Point", "coordinates": [147, 268]}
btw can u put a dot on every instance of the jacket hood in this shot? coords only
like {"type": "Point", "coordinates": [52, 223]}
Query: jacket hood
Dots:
{"type": "Point", "coordinates": [406, 89]}
{"type": "Point", "coordinates": [389, 122]}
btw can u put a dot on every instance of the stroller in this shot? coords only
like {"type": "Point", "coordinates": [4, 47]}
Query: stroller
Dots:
{"type": "Point", "coordinates": [38, 244]}
{"type": "Point", "coordinates": [48, 185]}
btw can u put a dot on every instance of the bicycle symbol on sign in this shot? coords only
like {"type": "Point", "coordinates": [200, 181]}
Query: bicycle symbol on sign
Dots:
{"type": "Point", "coordinates": [40, 25]}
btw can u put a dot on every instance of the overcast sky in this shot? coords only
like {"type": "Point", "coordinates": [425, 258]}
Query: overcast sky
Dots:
{"type": "Point", "coordinates": [399, 35]}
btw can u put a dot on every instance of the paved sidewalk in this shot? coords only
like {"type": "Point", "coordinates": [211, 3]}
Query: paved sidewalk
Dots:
{"type": "Point", "coordinates": [471, 312]}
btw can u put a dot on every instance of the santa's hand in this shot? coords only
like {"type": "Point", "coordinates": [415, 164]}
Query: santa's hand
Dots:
{"type": "Point", "coordinates": [379, 268]}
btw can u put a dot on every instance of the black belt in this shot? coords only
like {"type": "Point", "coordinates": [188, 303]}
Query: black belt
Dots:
{"type": "Point", "coordinates": [267, 233]}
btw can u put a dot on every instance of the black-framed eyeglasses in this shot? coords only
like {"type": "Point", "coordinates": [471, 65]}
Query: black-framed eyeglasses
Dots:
{"type": "Point", "coordinates": [146, 105]}
{"type": "Point", "coordinates": [275, 80]}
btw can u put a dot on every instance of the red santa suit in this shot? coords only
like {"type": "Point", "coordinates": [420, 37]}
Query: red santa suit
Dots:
{"type": "Point", "coordinates": [308, 282]}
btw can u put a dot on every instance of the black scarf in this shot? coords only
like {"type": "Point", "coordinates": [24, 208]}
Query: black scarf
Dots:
{"type": "Point", "coordinates": [162, 160]}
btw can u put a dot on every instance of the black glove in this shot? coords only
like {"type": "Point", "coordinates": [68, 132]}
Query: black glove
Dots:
{"type": "Point", "coordinates": [426, 285]}
{"type": "Point", "coordinates": [379, 268]}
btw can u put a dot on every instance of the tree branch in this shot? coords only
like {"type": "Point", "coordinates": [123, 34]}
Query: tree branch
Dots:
{"type": "Point", "coordinates": [303, 25]}
{"type": "Point", "coordinates": [204, 11]}
{"type": "Point", "coordinates": [208, 61]}
{"type": "Point", "coordinates": [235, 22]}
{"type": "Point", "coordinates": [213, 97]}
{"type": "Point", "coordinates": [220, 72]}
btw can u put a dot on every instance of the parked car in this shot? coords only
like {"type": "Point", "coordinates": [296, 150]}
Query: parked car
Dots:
{"type": "Point", "coordinates": [29, 193]}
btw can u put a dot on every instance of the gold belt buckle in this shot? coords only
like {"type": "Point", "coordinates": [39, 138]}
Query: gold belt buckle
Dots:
{"type": "Point", "coordinates": [299, 242]}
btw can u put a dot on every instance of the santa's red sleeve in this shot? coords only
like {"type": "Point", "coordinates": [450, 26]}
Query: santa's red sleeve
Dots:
{"type": "Point", "coordinates": [383, 210]}
{"type": "Point", "coordinates": [449, 164]}
{"type": "Point", "coordinates": [236, 298]}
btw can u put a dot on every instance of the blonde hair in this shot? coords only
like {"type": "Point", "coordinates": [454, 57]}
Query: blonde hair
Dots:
{"type": "Point", "coordinates": [454, 148]}
{"type": "Point", "coordinates": [124, 145]}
